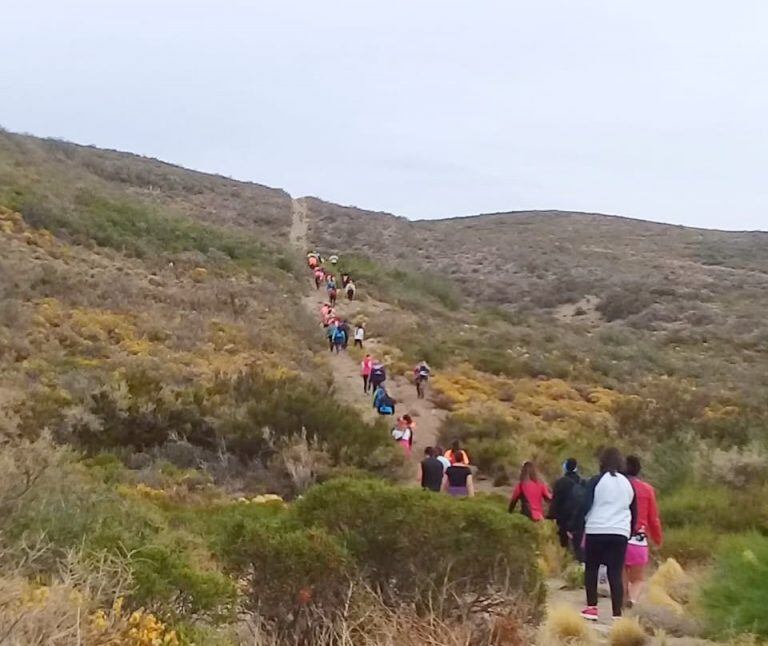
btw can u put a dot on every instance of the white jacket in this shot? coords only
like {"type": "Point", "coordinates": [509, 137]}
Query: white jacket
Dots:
{"type": "Point", "coordinates": [611, 510]}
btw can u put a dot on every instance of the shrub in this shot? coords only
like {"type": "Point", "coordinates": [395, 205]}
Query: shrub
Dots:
{"type": "Point", "coordinates": [736, 596]}
{"type": "Point", "coordinates": [414, 545]}
{"type": "Point", "coordinates": [289, 570]}
{"type": "Point", "coordinates": [65, 510]}
{"type": "Point", "coordinates": [719, 507]}
{"type": "Point", "coordinates": [691, 543]}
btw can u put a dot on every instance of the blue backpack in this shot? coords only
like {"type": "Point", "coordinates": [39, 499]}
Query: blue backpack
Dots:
{"type": "Point", "coordinates": [339, 336]}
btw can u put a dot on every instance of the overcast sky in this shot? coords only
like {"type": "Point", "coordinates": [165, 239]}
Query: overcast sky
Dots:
{"type": "Point", "coordinates": [425, 108]}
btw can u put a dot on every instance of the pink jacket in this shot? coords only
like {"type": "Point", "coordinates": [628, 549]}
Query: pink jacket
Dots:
{"type": "Point", "coordinates": [365, 367]}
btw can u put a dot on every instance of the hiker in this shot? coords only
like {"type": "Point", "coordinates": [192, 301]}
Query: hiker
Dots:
{"type": "Point", "coordinates": [312, 260]}
{"type": "Point", "coordinates": [378, 375]}
{"type": "Point", "coordinates": [382, 402]}
{"type": "Point", "coordinates": [344, 327]}
{"type": "Point", "coordinates": [648, 525]}
{"type": "Point", "coordinates": [421, 374]}
{"type": "Point", "coordinates": [350, 290]}
{"type": "Point", "coordinates": [330, 332]}
{"type": "Point", "coordinates": [332, 293]}
{"type": "Point", "coordinates": [455, 455]}
{"type": "Point", "coordinates": [609, 510]}
{"type": "Point", "coordinates": [431, 471]}
{"type": "Point", "coordinates": [567, 496]}
{"type": "Point", "coordinates": [458, 480]}
{"type": "Point", "coordinates": [365, 371]}
{"type": "Point", "coordinates": [325, 310]}
{"type": "Point", "coordinates": [403, 433]}
{"type": "Point", "coordinates": [339, 337]}
{"type": "Point", "coordinates": [344, 280]}
{"type": "Point", "coordinates": [359, 335]}
{"type": "Point", "coordinates": [319, 275]}
{"type": "Point", "coordinates": [439, 454]}
{"type": "Point", "coordinates": [530, 492]}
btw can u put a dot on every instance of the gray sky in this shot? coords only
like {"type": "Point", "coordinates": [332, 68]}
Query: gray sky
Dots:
{"type": "Point", "coordinates": [425, 108]}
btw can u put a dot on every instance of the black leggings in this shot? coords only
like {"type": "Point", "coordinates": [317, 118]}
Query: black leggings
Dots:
{"type": "Point", "coordinates": [608, 550]}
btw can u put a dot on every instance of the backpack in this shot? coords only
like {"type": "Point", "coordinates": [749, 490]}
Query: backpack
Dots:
{"type": "Point", "coordinates": [339, 336]}
{"type": "Point", "coordinates": [576, 502]}
{"type": "Point", "coordinates": [378, 374]}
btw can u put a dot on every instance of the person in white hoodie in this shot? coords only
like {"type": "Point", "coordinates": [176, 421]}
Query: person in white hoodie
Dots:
{"type": "Point", "coordinates": [609, 514]}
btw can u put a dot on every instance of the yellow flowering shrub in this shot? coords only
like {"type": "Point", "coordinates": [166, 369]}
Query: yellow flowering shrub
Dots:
{"type": "Point", "coordinates": [114, 627]}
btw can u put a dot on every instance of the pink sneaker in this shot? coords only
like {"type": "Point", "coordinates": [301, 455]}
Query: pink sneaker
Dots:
{"type": "Point", "coordinates": [590, 613]}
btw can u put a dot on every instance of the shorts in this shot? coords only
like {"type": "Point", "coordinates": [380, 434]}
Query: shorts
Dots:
{"type": "Point", "coordinates": [637, 555]}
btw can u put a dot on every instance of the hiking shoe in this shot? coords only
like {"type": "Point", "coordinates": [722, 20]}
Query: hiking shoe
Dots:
{"type": "Point", "coordinates": [590, 613]}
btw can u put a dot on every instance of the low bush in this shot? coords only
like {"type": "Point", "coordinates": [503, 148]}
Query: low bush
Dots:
{"type": "Point", "coordinates": [691, 544]}
{"type": "Point", "coordinates": [290, 572]}
{"type": "Point", "coordinates": [413, 545]}
{"type": "Point", "coordinates": [736, 596]}
{"type": "Point", "coordinates": [64, 509]}
{"type": "Point", "coordinates": [721, 508]}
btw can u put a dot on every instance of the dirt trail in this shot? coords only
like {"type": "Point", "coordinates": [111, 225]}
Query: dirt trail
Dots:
{"type": "Point", "coordinates": [345, 369]}
{"type": "Point", "coordinates": [299, 224]}
{"type": "Point", "coordinates": [349, 386]}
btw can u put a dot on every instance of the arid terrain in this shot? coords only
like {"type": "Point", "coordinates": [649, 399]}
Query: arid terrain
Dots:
{"type": "Point", "coordinates": [184, 461]}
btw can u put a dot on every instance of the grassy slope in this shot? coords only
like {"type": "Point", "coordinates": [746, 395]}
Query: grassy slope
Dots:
{"type": "Point", "coordinates": [485, 299]}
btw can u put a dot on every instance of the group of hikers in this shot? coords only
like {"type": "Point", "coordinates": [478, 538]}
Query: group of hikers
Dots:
{"type": "Point", "coordinates": [322, 275]}
{"type": "Point", "coordinates": [606, 520]}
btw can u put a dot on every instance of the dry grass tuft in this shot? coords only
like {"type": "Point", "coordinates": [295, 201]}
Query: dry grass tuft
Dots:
{"type": "Point", "coordinates": [565, 627]}
{"type": "Point", "coordinates": [627, 631]}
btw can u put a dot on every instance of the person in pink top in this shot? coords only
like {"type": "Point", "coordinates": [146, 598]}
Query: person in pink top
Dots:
{"type": "Point", "coordinates": [531, 492]}
{"type": "Point", "coordinates": [648, 525]}
{"type": "Point", "coordinates": [365, 372]}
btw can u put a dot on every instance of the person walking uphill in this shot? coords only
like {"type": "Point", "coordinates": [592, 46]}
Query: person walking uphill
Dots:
{"type": "Point", "coordinates": [458, 480]}
{"type": "Point", "coordinates": [359, 335]}
{"type": "Point", "coordinates": [530, 492]}
{"type": "Point", "coordinates": [378, 375]}
{"type": "Point", "coordinates": [609, 510]}
{"type": "Point", "coordinates": [431, 471]}
{"type": "Point", "coordinates": [648, 525]}
{"type": "Point", "coordinates": [365, 372]}
{"type": "Point", "coordinates": [567, 496]}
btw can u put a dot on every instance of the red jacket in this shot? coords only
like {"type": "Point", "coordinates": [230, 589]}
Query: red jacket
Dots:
{"type": "Point", "coordinates": [535, 493]}
{"type": "Point", "coordinates": [647, 510]}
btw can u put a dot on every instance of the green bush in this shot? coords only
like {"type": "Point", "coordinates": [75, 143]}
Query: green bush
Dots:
{"type": "Point", "coordinates": [65, 510]}
{"type": "Point", "coordinates": [719, 507]}
{"type": "Point", "coordinates": [736, 597]}
{"type": "Point", "coordinates": [288, 569]}
{"type": "Point", "coordinates": [416, 546]}
{"type": "Point", "coordinates": [691, 544]}
{"type": "Point", "coordinates": [488, 438]}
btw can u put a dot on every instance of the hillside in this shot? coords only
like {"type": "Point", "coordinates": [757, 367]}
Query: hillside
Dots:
{"type": "Point", "coordinates": [162, 369]}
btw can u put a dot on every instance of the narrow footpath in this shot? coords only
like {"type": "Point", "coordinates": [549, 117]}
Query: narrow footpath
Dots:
{"type": "Point", "coordinates": [428, 418]}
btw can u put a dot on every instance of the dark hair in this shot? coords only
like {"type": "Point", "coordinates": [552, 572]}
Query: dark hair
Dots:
{"type": "Point", "coordinates": [633, 465]}
{"type": "Point", "coordinates": [611, 461]}
{"type": "Point", "coordinates": [408, 419]}
{"type": "Point", "coordinates": [429, 451]}
{"type": "Point", "coordinates": [571, 464]}
{"type": "Point", "coordinates": [456, 446]}
{"type": "Point", "coordinates": [439, 450]}
{"type": "Point", "coordinates": [528, 472]}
